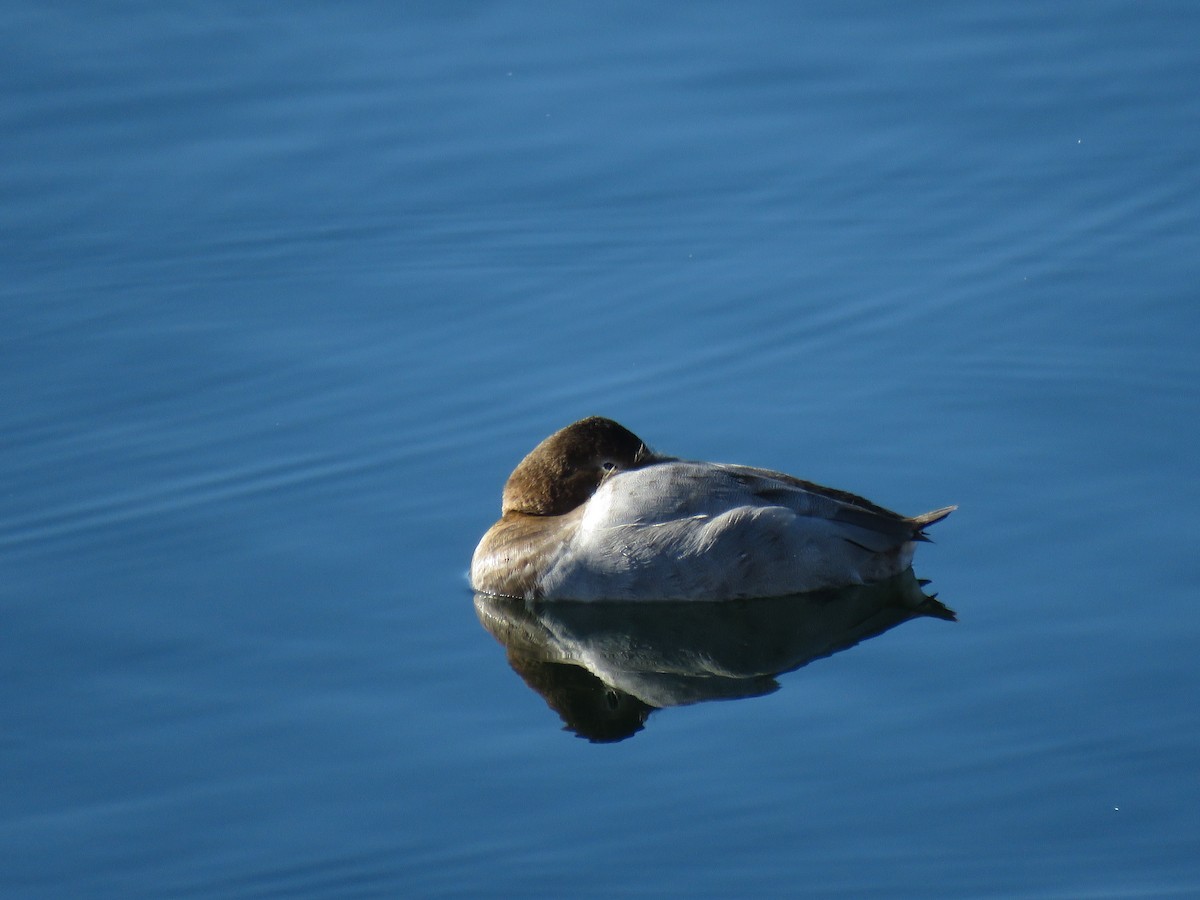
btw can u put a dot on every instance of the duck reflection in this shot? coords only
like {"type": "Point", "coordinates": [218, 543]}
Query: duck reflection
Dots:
{"type": "Point", "coordinates": [605, 666]}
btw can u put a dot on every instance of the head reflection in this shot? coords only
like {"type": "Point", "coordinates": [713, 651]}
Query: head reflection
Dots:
{"type": "Point", "coordinates": [588, 707]}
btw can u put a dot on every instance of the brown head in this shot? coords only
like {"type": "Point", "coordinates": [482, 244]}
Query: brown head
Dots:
{"type": "Point", "coordinates": [565, 469]}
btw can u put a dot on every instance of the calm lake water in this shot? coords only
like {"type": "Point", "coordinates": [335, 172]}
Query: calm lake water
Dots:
{"type": "Point", "coordinates": [288, 292]}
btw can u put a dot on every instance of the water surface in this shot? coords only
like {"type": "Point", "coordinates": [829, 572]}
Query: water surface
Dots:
{"type": "Point", "coordinates": [287, 295]}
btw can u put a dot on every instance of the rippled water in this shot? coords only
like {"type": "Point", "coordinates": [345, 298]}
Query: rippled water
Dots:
{"type": "Point", "coordinates": [287, 294]}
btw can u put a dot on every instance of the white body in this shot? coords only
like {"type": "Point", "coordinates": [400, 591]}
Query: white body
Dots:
{"type": "Point", "coordinates": [697, 531]}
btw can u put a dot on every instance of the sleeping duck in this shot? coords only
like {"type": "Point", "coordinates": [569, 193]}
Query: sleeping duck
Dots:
{"type": "Point", "coordinates": [593, 514]}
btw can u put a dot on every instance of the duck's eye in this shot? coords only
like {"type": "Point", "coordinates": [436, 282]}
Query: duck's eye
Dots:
{"type": "Point", "coordinates": [608, 465]}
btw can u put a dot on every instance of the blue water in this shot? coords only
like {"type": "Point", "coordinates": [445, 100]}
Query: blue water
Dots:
{"type": "Point", "coordinates": [288, 291]}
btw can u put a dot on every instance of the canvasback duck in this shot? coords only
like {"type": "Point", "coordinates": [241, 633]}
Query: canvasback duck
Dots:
{"type": "Point", "coordinates": [593, 514]}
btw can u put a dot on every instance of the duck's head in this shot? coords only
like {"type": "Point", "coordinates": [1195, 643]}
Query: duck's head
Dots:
{"type": "Point", "coordinates": [565, 469]}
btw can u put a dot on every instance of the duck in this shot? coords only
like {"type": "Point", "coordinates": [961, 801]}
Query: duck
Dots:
{"type": "Point", "coordinates": [592, 514]}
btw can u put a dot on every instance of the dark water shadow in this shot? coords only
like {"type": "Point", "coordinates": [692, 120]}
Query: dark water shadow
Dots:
{"type": "Point", "coordinates": [605, 666]}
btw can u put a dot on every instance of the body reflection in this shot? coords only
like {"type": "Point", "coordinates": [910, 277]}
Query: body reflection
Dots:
{"type": "Point", "coordinates": [605, 666]}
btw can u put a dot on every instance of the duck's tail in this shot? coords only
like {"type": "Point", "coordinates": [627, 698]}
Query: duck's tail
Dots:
{"type": "Point", "coordinates": [923, 521]}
